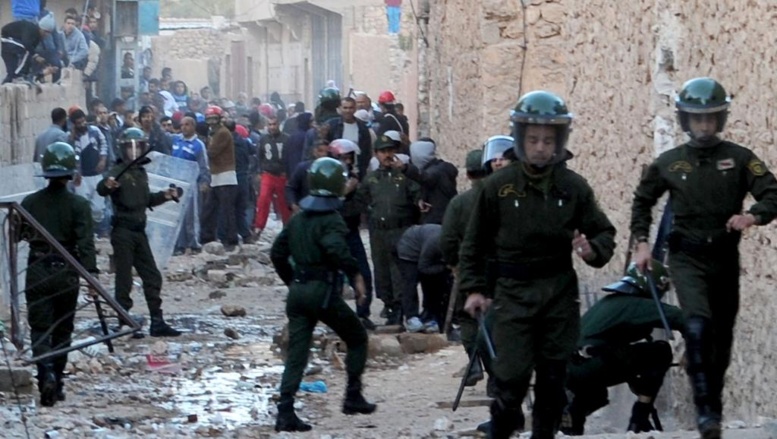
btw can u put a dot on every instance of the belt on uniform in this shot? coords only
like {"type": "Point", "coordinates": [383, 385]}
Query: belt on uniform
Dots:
{"type": "Point", "coordinates": [309, 274]}
{"type": "Point", "coordinates": [379, 224]}
{"type": "Point", "coordinates": [533, 270]}
{"type": "Point", "coordinates": [133, 226]}
{"type": "Point", "coordinates": [51, 260]}
{"type": "Point", "coordinates": [680, 243]}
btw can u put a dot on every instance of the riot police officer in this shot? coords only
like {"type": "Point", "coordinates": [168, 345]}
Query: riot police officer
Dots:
{"type": "Point", "coordinates": [616, 346]}
{"type": "Point", "coordinates": [315, 239]}
{"type": "Point", "coordinates": [498, 153]}
{"type": "Point", "coordinates": [708, 179]}
{"type": "Point", "coordinates": [131, 197]}
{"type": "Point", "coordinates": [328, 103]}
{"type": "Point", "coordinates": [526, 221]}
{"type": "Point", "coordinates": [52, 286]}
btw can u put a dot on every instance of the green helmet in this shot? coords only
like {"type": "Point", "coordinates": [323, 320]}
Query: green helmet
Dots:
{"type": "Point", "coordinates": [541, 108]}
{"type": "Point", "coordinates": [132, 143]}
{"type": "Point", "coordinates": [496, 147]}
{"type": "Point", "coordinates": [636, 282]}
{"type": "Point", "coordinates": [59, 160]}
{"type": "Point", "coordinates": [473, 162]}
{"type": "Point", "coordinates": [702, 96]}
{"type": "Point", "coordinates": [326, 178]}
{"type": "Point", "coordinates": [329, 98]}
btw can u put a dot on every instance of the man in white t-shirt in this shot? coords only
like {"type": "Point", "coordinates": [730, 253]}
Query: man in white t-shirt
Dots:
{"type": "Point", "coordinates": [347, 126]}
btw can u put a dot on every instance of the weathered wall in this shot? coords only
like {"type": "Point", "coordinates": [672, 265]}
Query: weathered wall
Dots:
{"type": "Point", "coordinates": [189, 51]}
{"type": "Point", "coordinates": [25, 113]}
{"type": "Point", "coordinates": [619, 64]}
{"type": "Point", "coordinates": [380, 61]}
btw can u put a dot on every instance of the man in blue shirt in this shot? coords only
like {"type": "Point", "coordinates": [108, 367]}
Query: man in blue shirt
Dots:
{"type": "Point", "coordinates": [188, 146]}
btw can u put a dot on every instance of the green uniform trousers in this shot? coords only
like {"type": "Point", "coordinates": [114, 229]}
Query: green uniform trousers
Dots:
{"type": "Point", "coordinates": [131, 249]}
{"type": "Point", "coordinates": [388, 276]}
{"type": "Point", "coordinates": [52, 295]}
{"type": "Point", "coordinates": [304, 308]}
{"type": "Point", "coordinates": [536, 322]}
{"type": "Point", "coordinates": [707, 286]}
{"type": "Point", "coordinates": [641, 365]}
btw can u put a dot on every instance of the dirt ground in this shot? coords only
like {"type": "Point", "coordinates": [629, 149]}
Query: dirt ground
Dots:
{"type": "Point", "coordinates": [205, 384]}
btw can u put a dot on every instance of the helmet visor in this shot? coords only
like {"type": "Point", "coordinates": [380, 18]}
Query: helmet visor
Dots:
{"type": "Point", "coordinates": [133, 149]}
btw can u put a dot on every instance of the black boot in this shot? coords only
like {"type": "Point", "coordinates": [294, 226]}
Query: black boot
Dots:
{"type": "Point", "coordinates": [59, 372]}
{"type": "Point", "coordinates": [697, 350]}
{"type": "Point", "coordinates": [287, 420]}
{"type": "Point", "coordinates": [550, 399]}
{"type": "Point", "coordinates": [161, 329]}
{"type": "Point", "coordinates": [640, 418]}
{"type": "Point", "coordinates": [504, 420]}
{"type": "Point", "coordinates": [354, 400]}
{"type": "Point", "coordinates": [47, 385]}
{"type": "Point", "coordinates": [394, 316]}
{"type": "Point", "coordinates": [140, 320]}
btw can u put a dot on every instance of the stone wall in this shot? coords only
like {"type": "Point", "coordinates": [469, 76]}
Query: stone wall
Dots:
{"type": "Point", "coordinates": [618, 64]}
{"type": "Point", "coordinates": [188, 52]}
{"type": "Point", "coordinates": [26, 112]}
{"type": "Point", "coordinates": [380, 61]}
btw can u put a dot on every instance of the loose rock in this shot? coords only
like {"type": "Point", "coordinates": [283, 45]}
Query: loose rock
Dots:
{"type": "Point", "coordinates": [233, 311]}
{"type": "Point", "coordinates": [214, 248]}
{"type": "Point", "coordinates": [421, 343]}
{"type": "Point", "coordinates": [231, 333]}
{"type": "Point", "coordinates": [218, 294]}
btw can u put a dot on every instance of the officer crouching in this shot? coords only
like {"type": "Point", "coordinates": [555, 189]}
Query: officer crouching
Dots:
{"type": "Point", "coordinates": [616, 347]}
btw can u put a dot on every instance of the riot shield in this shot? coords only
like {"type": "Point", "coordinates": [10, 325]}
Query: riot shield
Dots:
{"type": "Point", "coordinates": [164, 222]}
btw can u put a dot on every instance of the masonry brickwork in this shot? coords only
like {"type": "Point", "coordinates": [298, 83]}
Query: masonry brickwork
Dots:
{"type": "Point", "coordinates": [619, 65]}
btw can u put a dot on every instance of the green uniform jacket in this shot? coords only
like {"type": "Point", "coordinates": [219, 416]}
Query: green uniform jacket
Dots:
{"type": "Point", "coordinates": [313, 240]}
{"type": "Point", "coordinates": [454, 223]}
{"type": "Point", "coordinates": [620, 319]}
{"type": "Point", "coordinates": [521, 220]}
{"type": "Point", "coordinates": [707, 187]}
{"type": "Point", "coordinates": [390, 197]}
{"type": "Point", "coordinates": [132, 198]}
{"type": "Point", "coordinates": [68, 218]}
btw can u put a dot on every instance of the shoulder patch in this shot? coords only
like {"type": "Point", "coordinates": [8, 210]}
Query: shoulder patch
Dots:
{"type": "Point", "coordinates": [680, 166]}
{"type": "Point", "coordinates": [508, 189]}
{"type": "Point", "coordinates": [757, 167]}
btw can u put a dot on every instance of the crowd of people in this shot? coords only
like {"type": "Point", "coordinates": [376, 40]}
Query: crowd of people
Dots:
{"type": "Point", "coordinates": [35, 46]}
{"type": "Point", "coordinates": [508, 241]}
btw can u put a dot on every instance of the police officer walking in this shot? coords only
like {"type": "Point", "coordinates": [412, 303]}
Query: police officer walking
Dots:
{"type": "Point", "coordinates": [52, 286]}
{"type": "Point", "coordinates": [131, 197]}
{"type": "Point", "coordinates": [616, 347]}
{"type": "Point", "coordinates": [708, 179]}
{"type": "Point", "coordinates": [526, 221]}
{"type": "Point", "coordinates": [315, 239]}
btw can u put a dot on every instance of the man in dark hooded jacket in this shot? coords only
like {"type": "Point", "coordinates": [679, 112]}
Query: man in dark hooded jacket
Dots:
{"type": "Point", "coordinates": [436, 177]}
{"type": "Point", "coordinates": [295, 147]}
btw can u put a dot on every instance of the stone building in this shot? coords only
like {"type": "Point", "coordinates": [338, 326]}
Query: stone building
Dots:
{"type": "Point", "coordinates": [294, 47]}
{"type": "Point", "coordinates": [619, 65]}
